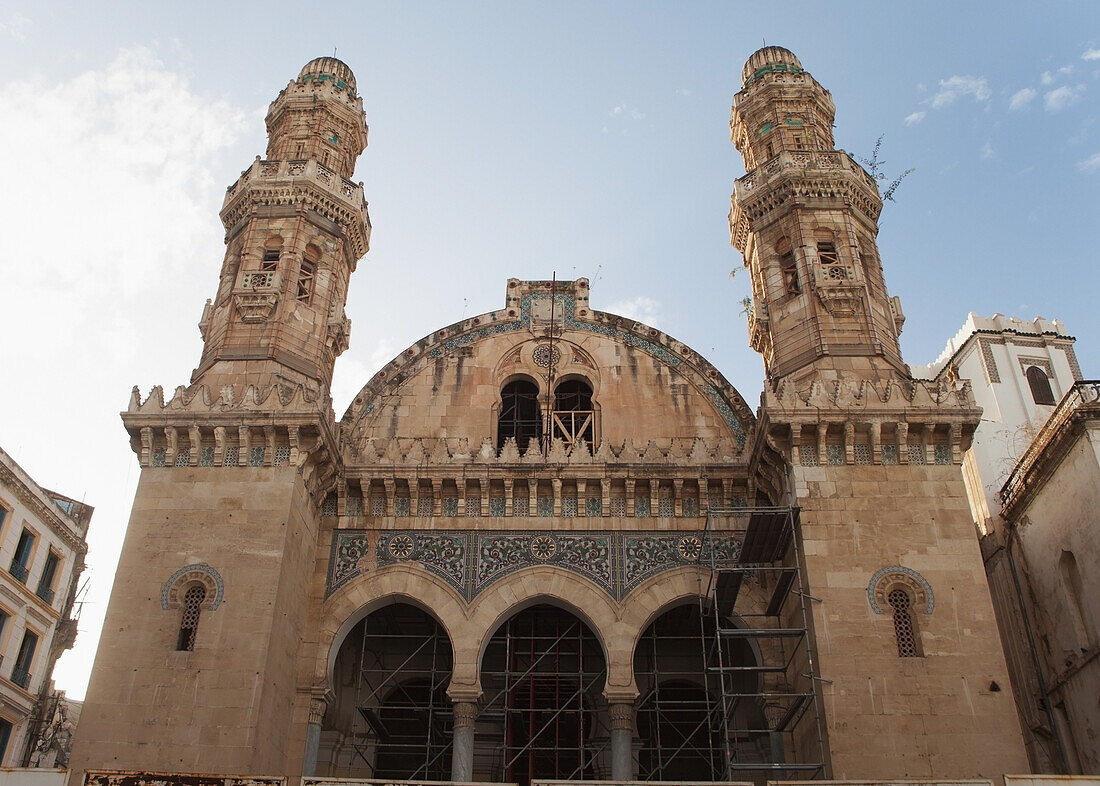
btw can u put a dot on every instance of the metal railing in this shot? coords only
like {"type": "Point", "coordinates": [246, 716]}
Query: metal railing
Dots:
{"type": "Point", "coordinates": [21, 677]}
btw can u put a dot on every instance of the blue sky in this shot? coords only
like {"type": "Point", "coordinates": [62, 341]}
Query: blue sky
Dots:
{"type": "Point", "coordinates": [506, 139]}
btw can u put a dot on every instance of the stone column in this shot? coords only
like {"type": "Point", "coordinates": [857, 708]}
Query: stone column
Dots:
{"type": "Point", "coordinates": [318, 703]}
{"type": "Point", "coordinates": [462, 752]}
{"type": "Point", "coordinates": [622, 737]}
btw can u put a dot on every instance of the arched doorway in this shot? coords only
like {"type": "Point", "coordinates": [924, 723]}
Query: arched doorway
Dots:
{"type": "Point", "coordinates": [391, 718]}
{"type": "Point", "coordinates": [542, 678]}
{"type": "Point", "coordinates": [690, 726]}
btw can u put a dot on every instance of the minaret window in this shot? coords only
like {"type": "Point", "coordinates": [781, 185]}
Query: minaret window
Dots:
{"type": "Point", "coordinates": [788, 267]}
{"type": "Point", "coordinates": [1039, 383]}
{"type": "Point", "coordinates": [306, 274]}
{"type": "Point", "coordinates": [270, 261]}
{"type": "Point", "coordinates": [519, 414]}
{"type": "Point", "coordinates": [826, 252]}
{"type": "Point", "coordinates": [189, 622]}
{"type": "Point", "coordinates": [905, 627]}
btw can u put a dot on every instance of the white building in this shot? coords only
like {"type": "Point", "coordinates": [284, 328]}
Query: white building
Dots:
{"type": "Point", "coordinates": [42, 548]}
{"type": "Point", "coordinates": [1019, 370]}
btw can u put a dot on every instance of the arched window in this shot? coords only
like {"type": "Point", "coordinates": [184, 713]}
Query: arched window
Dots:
{"type": "Point", "coordinates": [189, 620]}
{"type": "Point", "coordinates": [573, 413]}
{"type": "Point", "coordinates": [788, 267]}
{"type": "Point", "coordinates": [905, 627]}
{"type": "Point", "coordinates": [1040, 385]}
{"type": "Point", "coordinates": [519, 414]}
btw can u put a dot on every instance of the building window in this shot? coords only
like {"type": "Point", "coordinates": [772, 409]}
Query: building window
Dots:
{"type": "Point", "coordinates": [49, 574]}
{"type": "Point", "coordinates": [305, 282]}
{"type": "Point", "coordinates": [573, 415]}
{"type": "Point", "coordinates": [21, 674]}
{"type": "Point", "coordinates": [1074, 592]}
{"type": "Point", "coordinates": [5, 736]}
{"type": "Point", "coordinates": [1040, 385]}
{"type": "Point", "coordinates": [22, 557]}
{"type": "Point", "coordinates": [519, 414]}
{"type": "Point", "coordinates": [827, 254]}
{"type": "Point", "coordinates": [788, 267]}
{"type": "Point", "coordinates": [3, 516]}
{"type": "Point", "coordinates": [189, 621]}
{"type": "Point", "coordinates": [905, 627]}
{"type": "Point", "coordinates": [269, 262]}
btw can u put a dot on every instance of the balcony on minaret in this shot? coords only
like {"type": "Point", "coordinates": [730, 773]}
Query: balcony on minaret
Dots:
{"type": "Point", "coordinates": [298, 171]}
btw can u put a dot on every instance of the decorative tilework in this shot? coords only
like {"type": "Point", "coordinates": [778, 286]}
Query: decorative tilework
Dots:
{"type": "Point", "coordinates": [256, 456]}
{"type": "Point", "coordinates": [988, 361]}
{"type": "Point", "coordinates": [690, 507]}
{"type": "Point", "coordinates": [569, 507]}
{"type": "Point", "coordinates": [497, 506]}
{"type": "Point", "coordinates": [920, 581]}
{"type": "Point", "coordinates": [641, 508]}
{"type": "Point", "coordinates": [889, 454]}
{"type": "Point", "coordinates": [450, 506]}
{"type": "Point", "coordinates": [158, 457]}
{"type": "Point", "coordinates": [354, 505]}
{"type": "Point", "coordinates": [943, 454]}
{"type": "Point", "coordinates": [349, 547]}
{"type": "Point", "coordinates": [219, 593]}
{"type": "Point", "coordinates": [183, 458]}
{"type": "Point", "coordinates": [472, 561]}
{"type": "Point", "coordinates": [835, 454]}
{"type": "Point", "coordinates": [546, 506]}
{"type": "Point", "coordinates": [206, 458]}
{"type": "Point", "coordinates": [401, 507]}
{"type": "Point", "coordinates": [593, 507]}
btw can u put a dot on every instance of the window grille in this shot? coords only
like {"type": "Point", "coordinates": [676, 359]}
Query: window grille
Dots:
{"type": "Point", "coordinates": [183, 458]}
{"type": "Point", "coordinates": [282, 455]}
{"type": "Point", "coordinates": [569, 507]}
{"type": "Point", "coordinates": [666, 507]}
{"type": "Point", "coordinates": [328, 507]}
{"type": "Point", "coordinates": [889, 454]}
{"type": "Point", "coordinates": [355, 505]}
{"type": "Point", "coordinates": [377, 505]}
{"type": "Point", "coordinates": [401, 507]}
{"type": "Point", "coordinates": [835, 454]}
{"type": "Point", "coordinates": [450, 506]}
{"type": "Point", "coordinates": [943, 454]}
{"type": "Point", "coordinates": [618, 506]}
{"type": "Point", "coordinates": [256, 456]}
{"type": "Point", "coordinates": [593, 507]}
{"type": "Point", "coordinates": [231, 457]}
{"type": "Point", "coordinates": [903, 623]}
{"type": "Point", "coordinates": [691, 507]}
{"type": "Point", "coordinates": [863, 454]}
{"type": "Point", "coordinates": [189, 623]}
{"type": "Point", "coordinates": [915, 453]}
{"type": "Point", "coordinates": [546, 506]}
{"type": "Point", "coordinates": [473, 506]}
{"type": "Point", "coordinates": [497, 506]}
{"type": "Point", "coordinates": [521, 506]}
{"type": "Point", "coordinates": [158, 457]}
{"type": "Point", "coordinates": [424, 507]}
{"type": "Point", "coordinates": [808, 455]}
{"type": "Point", "coordinates": [641, 508]}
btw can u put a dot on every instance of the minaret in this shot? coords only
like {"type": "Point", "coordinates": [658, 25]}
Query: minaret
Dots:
{"type": "Point", "coordinates": [295, 227]}
{"type": "Point", "coordinates": [198, 665]}
{"type": "Point", "coordinates": [913, 677]}
{"type": "Point", "coordinates": [806, 217]}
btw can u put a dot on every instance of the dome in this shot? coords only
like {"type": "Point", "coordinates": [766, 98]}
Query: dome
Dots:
{"type": "Point", "coordinates": [767, 59]}
{"type": "Point", "coordinates": [325, 68]}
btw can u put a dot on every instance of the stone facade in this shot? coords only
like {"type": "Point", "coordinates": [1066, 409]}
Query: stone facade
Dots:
{"type": "Point", "coordinates": [549, 541]}
{"type": "Point", "coordinates": [42, 547]}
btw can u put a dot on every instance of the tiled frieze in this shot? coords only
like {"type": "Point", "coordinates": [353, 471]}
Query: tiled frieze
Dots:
{"type": "Point", "coordinates": [471, 561]}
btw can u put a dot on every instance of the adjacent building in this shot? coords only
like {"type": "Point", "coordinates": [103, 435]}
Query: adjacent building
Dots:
{"type": "Point", "coordinates": [42, 547]}
{"type": "Point", "coordinates": [551, 542]}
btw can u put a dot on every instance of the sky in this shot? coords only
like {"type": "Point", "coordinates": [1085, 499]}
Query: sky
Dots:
{"type": "Point", "coordinates": [507, 139]}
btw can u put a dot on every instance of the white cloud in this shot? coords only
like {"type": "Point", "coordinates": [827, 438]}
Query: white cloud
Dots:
{"type": "Point", "coordinates": [987, 151]}
{"type": "Point", "coordinates": [1021, 98]}
{"type": "Point", "coordinates": [1091, 54]}
{"type": "Point", "coordinates": [683, 91]}
{"type": "Point", "coordinates": [115, 245]}
{"type": "Point", "coordinates": [1046, 78]}
{"type": "Point", "coordinates": [640, 308]}
{"type": "Point", "coordinates": [955, 87]}
{"type": "Point", "coordinates": [1061, 97]}
{"type": "Point", "coordinates": [622, 110]}
{"type": "Point", "coordinates": [1090, 164]}
{"type": "Point", "coordinates": [617, 110]}
{"type": "Point", "coordinates": [914, 118]}
{"type": "Point", "coordinates": [15, 26]}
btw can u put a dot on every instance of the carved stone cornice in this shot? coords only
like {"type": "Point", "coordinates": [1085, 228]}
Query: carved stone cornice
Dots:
{"type": "Point", "coordinates": [255, 308]}
{"type": "Point", "coordinates": [41, 509]}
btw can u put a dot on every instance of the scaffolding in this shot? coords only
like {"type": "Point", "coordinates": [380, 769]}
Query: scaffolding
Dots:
{"type": "Point", "coordinates": [775, 690]}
